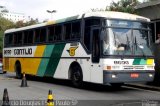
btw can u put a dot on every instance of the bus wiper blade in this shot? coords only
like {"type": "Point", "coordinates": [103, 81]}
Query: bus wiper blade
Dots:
{"type": "Point", "coordinates": [126, 47]}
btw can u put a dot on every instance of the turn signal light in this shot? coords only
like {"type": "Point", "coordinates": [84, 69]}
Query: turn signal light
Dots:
{"type": "Point", "coordinates": [109, 67]}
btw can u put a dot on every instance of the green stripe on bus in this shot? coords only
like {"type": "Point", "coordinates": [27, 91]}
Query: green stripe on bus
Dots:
{"type": "Point", "coordinates": [143, 62]}
{"type": "Point", "coordinates": [136, 61]}
{"type": "Point", "coordinates": [67, 19]}
{"type": "Point", "coordinates": [54, 59]}
{"type": "Point", "coordinates": [44, 61]}
{"type": "Point", "coordinates": [139, 62]}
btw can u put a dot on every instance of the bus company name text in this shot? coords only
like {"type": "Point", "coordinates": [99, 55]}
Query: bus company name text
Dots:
{"type": "Point", "coordinates": [27, 51]}
{"type": "Point", "coordinates": [24, 51]}
{"type": "Point", "coordinates": [121, 62]}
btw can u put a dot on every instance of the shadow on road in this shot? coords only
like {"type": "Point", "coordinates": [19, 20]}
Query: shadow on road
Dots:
{"type": "Point", "coordinates": [87, 86]}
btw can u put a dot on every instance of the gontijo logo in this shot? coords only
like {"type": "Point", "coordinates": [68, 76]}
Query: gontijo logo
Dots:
{"type": "Point", "coordinates": [72, 51]}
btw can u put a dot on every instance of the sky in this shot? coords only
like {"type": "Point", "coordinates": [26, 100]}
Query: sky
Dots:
{"type": "Point", "coordinates": [65, 8]}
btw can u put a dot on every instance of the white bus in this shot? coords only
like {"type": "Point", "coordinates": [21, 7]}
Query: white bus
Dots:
{"type": "Point", "coordinates": [98, 47]}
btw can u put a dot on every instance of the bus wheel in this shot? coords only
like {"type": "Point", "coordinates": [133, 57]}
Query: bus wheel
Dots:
{"type": "Point", "coordinates": [76, 76]}
{"type": "Point", "coordinates": [18, 70]}
{"type": "Point", "coordinates": [116, 85]}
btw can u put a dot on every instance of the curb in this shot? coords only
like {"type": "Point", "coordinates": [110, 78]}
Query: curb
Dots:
{"type": "Point", "coordinates": [143, 86]}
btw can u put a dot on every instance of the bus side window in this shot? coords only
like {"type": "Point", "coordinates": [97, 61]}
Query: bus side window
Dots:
{"type": "Point", "coordinates": [75, 30]}
{"type": "Point", "coordinates": [17, 38]}
{"type": "Point", "coordinates": [14, 38]}
{"type": "Point", "coordinates": [67, 31]}
{"type": "Point", "coordinates": [50, 33]}
{"type": "Point", "coordinates": [8, 40]}
{"type": "Point", "coordinates": [58, 33]}
{"type": "Point", "coordinates": [40, 35]}
{"type": "Point", "coordinates": [28, 37]}
{"type": "Point", "coordinates": [37, 35]}
{"type": "Point", "coordinates": [43, 35]}
{"type": "Point", "coordinates": [88, 24]}
{"type": "Point", "coordinates": [87, 37]}
{"type": "Point", "coordinates": [25, 40]}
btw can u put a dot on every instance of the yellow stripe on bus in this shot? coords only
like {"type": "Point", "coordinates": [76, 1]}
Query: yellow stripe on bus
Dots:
{"type": "Point", "coordinates": [50, 22]}
{"type": "Point", "coordinates": [150, 61]}
{"type": "Point", "coordinates": [36, 62]}
{"type": "Point", "coordinates": [29, 65]}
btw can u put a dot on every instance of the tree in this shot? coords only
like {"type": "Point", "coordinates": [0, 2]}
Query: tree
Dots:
{"type": "Point", "coordinates": [123, 6]}
{"type": "Point", "coordinates": [149, 0]}
{"type": "Point", "coordinates": [4, 25]}
{"type": "Point", "coordinates": [32, 22]}
{"type": "Point", "coordinates": [28, 23]}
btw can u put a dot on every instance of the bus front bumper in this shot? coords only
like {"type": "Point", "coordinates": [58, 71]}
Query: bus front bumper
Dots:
{"type": "Point", "coordinates": [123, 76]}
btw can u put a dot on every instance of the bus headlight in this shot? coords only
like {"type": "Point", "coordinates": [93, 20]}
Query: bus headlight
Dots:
{"type": "Point", "coordinates": [114, 76]}
{"type": "Point", "coordinates": [151, 75]}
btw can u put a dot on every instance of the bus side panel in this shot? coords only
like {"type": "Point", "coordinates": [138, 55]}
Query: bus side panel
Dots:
{"type": "Point", "coordinates": [73, 52]}
{"type": "Point", "coordinates": [8, 64]}
{"type": "Point", "coordinates": [96, 71]}
{"type": "Point", "coordinates": [30, 65]}
{"type": "Point", "coordinates": [5, 64]}
{"type": "Point", "coordinates": [29, 62]}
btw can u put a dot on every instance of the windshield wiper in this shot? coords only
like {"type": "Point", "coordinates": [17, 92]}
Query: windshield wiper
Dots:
{"type": "Point", "coordinates": [114, 38]}
{"type": "Point", "coordinates": [137, 45]}
{"type": "Point", "coordinates": [126, 46]}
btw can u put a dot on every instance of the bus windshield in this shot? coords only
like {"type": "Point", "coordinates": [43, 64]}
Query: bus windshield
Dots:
{"type": "Point", "coordinates": [126, 38]}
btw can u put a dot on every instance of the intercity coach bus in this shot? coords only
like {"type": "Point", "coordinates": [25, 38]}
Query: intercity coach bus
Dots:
{"type": "Point", "coordinates": [97, 47]}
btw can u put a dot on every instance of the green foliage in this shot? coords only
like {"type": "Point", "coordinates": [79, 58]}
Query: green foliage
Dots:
{"type": "Point", "coordinates": [28, 23]}
{"type": "Point", "coordinates": [4, 25]}
{"type": "Point", "coordinates": [1, 41]}
{"type": "Point", "coordinates": [123, 6]}
{"type": "Point", "coordinates": [149, 0]}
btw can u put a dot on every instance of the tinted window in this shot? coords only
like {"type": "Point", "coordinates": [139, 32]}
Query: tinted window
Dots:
{"type": "Point", "coordinates": [28, 37]}
{"type": "Point", "coordinates": [37, 35]}
{"type": "Point", "coordinates": [8, 40]}
{"type": "Point", "coordinates": [17, 38]}
{"type": "Point", "coordinates": [58, 33]}
{"type": "Point", "coordinates": [50, 33]}
{"type": "Point", "coordinates": [76, 29]}
{"type": "Point", "coordinates": [43, 35]}
{"type": "Point", "coordinates": [88, 24]}
{"type": "Point", "coordinates": [67, 28]}
{"type": "Point", "coordinates": [40, 35]}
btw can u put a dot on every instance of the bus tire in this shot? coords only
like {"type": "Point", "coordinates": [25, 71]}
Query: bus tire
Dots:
{"type": "Point", "coordinates": [18, 70]}
{"type": "Point", "coordinates": [76, 76]}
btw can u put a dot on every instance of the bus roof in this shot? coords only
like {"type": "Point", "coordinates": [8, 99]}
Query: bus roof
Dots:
{"type": "Point", "coordinates": [105, 14]}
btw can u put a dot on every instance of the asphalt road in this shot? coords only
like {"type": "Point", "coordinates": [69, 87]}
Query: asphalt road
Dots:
{"type": "Point", "coordinates": [91, 94]}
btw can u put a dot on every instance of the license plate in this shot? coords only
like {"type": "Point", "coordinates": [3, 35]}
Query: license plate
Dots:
{"type": "Point", "coordinates": [134, 75]}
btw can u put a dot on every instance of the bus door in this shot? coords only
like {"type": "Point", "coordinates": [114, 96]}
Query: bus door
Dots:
{"type": "Point", "coordinates": [95, 71]}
